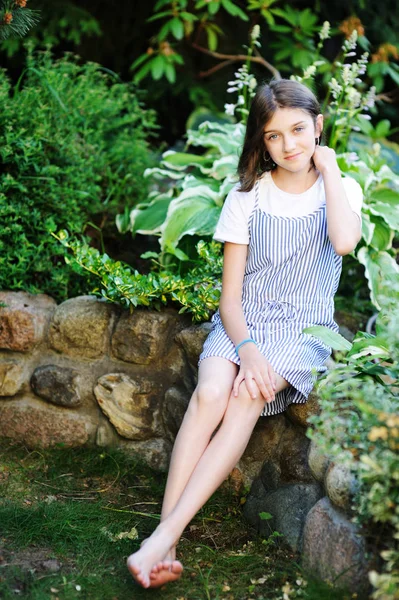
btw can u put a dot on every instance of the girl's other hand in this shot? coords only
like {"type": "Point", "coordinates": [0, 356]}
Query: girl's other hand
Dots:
{"type": "Point", "coordinates": [255, 369]}
{"type": "Point", "coordinates": [324, 159]}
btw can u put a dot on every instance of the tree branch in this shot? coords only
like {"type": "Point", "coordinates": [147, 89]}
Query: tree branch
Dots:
{"type": "Point", "coordinates": [230, 58]}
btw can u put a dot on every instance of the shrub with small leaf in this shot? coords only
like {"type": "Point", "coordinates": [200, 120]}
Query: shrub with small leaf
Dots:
{"type": "Point", "coordinates": [358, 427]}
{"type": "Point", "coordinates": [198, 292]}
{"type": "Point", "coordinates": [72, 149]}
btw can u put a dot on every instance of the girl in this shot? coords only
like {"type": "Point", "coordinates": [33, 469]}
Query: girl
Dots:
{"type": "Point", "coordinates": [286, 226]}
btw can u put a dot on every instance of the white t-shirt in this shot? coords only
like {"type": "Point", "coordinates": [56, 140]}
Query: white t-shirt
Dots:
{"type": "Point", "coordinates": [233, 221]}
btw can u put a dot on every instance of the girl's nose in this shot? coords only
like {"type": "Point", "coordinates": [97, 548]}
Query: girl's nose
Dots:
{"type": "Point", "coordinates": [289, 144]}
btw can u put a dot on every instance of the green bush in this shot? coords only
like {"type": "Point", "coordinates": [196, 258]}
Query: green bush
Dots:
{"type": "Point", "coordinates": [72, 150]}
{"type": "Point", "coordinates": [359, 427]}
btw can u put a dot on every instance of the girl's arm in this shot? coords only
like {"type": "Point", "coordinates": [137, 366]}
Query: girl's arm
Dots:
{"type": "Point", "coordinates": [254, 365]}
{"type": "Point", "coordinates": [344, 226]}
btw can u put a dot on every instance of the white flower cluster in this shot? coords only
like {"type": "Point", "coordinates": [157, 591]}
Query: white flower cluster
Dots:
{"type": "Point", "coordinates": [324, 33]}
{"type": "Point", "coordinates": [350, 43]}
{"type": "Point", "coordinates": [349, 102]}
{"type": "Point", "coordinates": [243, 80]}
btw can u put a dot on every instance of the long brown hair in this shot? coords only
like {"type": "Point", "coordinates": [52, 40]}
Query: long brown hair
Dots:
{"type": "Point", "coordinates": [278, 93]}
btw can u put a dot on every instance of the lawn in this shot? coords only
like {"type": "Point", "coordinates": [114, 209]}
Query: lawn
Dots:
{"type": "Point", "coordinates": [70, 517]}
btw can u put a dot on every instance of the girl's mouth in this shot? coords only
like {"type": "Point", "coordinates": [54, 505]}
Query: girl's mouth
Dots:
{"type": "Point", "coordinates": [293, 156]}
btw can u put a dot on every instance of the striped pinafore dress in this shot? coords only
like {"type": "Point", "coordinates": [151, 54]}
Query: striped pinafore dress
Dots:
{"type": "Point", "coordinates": [290, 279]}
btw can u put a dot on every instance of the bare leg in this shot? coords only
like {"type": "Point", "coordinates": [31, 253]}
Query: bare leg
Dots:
{"type": "Point", "coordinates": [204, 413]}
{"type": "Point", "coordinates": [217, 461]}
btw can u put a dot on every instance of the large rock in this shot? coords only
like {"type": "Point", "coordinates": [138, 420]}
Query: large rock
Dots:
{"type": "Point", "coordinates": [40, 425]}
{"type": "Point", "coordinates": [192, 339]}
{"type": "Point", "coordinates": [13, 374]}
{"type": "Point", "coordinates": [143, 336]}
{"type": "Point", "coordinates": [333, 549]}
{"type": "Point", "coordinates": [288, 504]}
{"type": "Point", "coordinates": [23, 321]}
{"type": "Point", "coordinates": [174, 407]}
{"type": "Point", "coordinates": [318, 461]}
{"type": "Point", "coordinates": [293, 451]}
{"type": "Point", "coordinates": [80, 327]}
{"type": "Point", "coordinates": [57, 385]}
{"type": "Point", "coordinates": [132, 406]}
{"type": "Point", "coordinates": [299, 413]}
{"type": "Point", "coordinates": [155, 452]}
{"type": "Point", "coordinates": [340, 485]}
{"type": "Point", "coordinates": [262, 446]}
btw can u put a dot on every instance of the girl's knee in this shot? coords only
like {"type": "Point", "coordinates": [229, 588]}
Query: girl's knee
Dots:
{"type": "Point", "coordinates": [209, 395]}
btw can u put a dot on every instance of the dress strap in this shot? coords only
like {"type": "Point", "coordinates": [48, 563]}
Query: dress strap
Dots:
{"type": "Point", "coordinates": [256, 194]}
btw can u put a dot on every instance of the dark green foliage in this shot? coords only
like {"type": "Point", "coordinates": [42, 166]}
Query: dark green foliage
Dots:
{"type": "Point", "coordinates": [196, 292]}
{"type": "Point", "coordinates": [72, 150]}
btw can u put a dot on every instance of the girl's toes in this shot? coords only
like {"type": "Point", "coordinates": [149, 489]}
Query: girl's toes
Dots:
{"type": "Point", "coordinates": [156, 568]}
{"type": "Point", "coordinates": [177, 567]}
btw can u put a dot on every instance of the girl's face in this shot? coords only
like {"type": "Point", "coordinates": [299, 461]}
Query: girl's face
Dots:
{"type": "Point", "coordinates": [290, 138]}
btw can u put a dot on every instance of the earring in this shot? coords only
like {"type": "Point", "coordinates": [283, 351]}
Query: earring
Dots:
{"type": "Point", "coordinates": [268, 159]}
{"type": "Point", "coordinates": [317, 140]}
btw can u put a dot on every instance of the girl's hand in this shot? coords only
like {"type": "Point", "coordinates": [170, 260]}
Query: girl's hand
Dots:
{"type": "Point", "coordinates": [325, 159]}
{"type": "Point", "coordinates": [254, 366]}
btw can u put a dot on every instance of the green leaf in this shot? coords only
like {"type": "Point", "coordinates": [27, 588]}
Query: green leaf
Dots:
{"type": "Point", "coordinates": [382, 235]}
{"type": "Point", "coordinates": [181, 160]}
{"type": "Point", "coordinates": [170, 73]}
{"type": "Point", "coordinates": [393, 74]}
{"type": "Point", "coordinates": [164, 31]}
{"type": "Point", "coordinates": [329, 337]}
{"type": "Point", "coordinates": [161, 15]}
{"type": "Point", "coordinates": [189, 216]}
{"type": "Point", "coordinates": [234, 10]}
{"type": "Point", "coordinates": [158, 67]}
{"type": "Point", "coordinates": [378, 266]}
{"type": "Point", "coordinates": [368, 347]}
{"type": "Point", "coordinates": [139, 61]}
{"type": "Point", "coordinates": [265, 516]}
{"type": "Point", "coordinates": [389, 212]}
{"type": "Point", "coordinates": [177, 28]}
{"type": "Point", "coordinates": [141, 73]}
{"type": "Point", "coordinates": [149, 220]}
{"type": "Point", "coordinates": [367, 228]}
{"type": "Point", "coordinates": [212, 39]}
{"type": "Point", "coordinates": [382, 128]}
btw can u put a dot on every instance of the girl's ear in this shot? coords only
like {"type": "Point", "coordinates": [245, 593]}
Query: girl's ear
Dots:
{"type": "Point", "coordinates": [319, 125]}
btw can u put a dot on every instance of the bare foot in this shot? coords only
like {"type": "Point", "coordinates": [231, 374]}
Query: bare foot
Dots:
{"type": "Point", "coordinates": [153, 558]}
{"type": "Point", "coordinates": [168, 569]}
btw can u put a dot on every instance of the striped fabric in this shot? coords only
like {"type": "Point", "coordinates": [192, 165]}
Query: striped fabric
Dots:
{"type": "Point", "coordinates": [290, 279]}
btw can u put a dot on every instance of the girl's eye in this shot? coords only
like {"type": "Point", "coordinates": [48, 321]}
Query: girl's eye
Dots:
{"type": "Point", "coordinates": [299, 128]}
{"type": "Point", "coordinates": [273, 136]}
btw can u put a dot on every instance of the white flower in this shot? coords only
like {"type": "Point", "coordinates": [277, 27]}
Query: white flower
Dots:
{"type": "Point", "coordinates": [336, 88]}
{"type": "Point", "coordinates": [232, 89]}
{"type": "Point", "coordinates": [309, 72]}
{"type": "Point", "coordinates": [253, 83]}
{"type": "Point", "coordinates": [240, 100]}
{"type": "Point", "coordinates": [229, 109]}
{"type": "Point", "coordinates": [255, 33]}
{"type": "Point", "coordinates": [325, 31]}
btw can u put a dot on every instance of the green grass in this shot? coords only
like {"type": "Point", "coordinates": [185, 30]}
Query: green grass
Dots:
{"type": "Point", "coordinates": [69, 505]}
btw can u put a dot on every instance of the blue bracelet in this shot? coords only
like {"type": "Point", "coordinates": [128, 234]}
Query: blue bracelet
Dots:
{"type": "Point", "coordinates": [244, 342]}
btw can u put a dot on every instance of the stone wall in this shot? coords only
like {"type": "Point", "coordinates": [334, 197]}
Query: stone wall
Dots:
{"type": "Point", "coordinates": [87, 372]}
